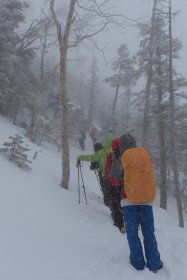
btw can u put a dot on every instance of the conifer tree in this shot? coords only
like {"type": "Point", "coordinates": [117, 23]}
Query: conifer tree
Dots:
{"type": "Point", "coordinates": [16, 153]}
{"type": "Point", "coordinates": [125, 78]}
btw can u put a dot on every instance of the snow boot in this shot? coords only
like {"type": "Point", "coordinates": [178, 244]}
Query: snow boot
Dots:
{"type": "Point", "coordinates": [122, 229]}
{"type": "Point", "coordinates": [161, 266]}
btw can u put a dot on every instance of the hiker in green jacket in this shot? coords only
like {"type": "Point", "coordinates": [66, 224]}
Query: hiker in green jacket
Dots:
{"type": "Point", "coordinates": [100, 157]}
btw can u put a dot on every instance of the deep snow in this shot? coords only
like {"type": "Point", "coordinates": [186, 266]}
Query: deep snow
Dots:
{"type": "Point", "coordinates": [46, 235]}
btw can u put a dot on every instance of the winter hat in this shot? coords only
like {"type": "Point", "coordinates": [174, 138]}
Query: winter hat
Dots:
{"type": "Point", "coordinates": [98, 146]}
{"type": "Point", "coordinates": [115, 144]}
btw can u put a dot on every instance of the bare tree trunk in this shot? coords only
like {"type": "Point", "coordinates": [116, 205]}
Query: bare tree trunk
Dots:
{"type": "Point", "coordinates": [92, 92]}
{"type": "Point", "coordinates": [172, 127]}
{"type": "Point", "coordinates": [149, 77]}
{"type": "Point", "coordinates": [116, 94]}
{"type": "Point", "coordinates": [43, 43]}
{"type": "Point", "coordinates": [162, 165]}
{"type": "Point", "coordinates": [127, 108]}
{"type": "Point", "coordinates": [64, 124]}
{"type": "Point", "coordinates": [63, 48]}
{"type": "Point", "coordinates": [116, 98]}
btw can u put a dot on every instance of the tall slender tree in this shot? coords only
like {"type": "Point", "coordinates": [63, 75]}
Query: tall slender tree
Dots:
{"type": "Point", "coordinates": [172, 125]}
{"type": "Point", "coordinates": [162, 145]}
{"type": "Point", "coordinates": [63, 41]}
{"type": "Point", "coordinates": [93, 91]}
{"type": "Point", "coordinates": [125, 78]}
{"type": "Point", "coordinates": [149, 76]}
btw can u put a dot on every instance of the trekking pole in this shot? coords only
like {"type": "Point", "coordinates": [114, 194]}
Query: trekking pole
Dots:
{"type": "Point", "coordinates": [83, 184]}
{"type": "Point", "coordinates": [78, 168]}
{"type": "Point", "coordinates": [99, 183]}
{"type": "Point", "coordinates": [97, 177]}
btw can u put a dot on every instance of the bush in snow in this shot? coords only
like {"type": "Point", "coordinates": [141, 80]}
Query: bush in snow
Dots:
{"type": "Point", "coordinates": [16, 153]}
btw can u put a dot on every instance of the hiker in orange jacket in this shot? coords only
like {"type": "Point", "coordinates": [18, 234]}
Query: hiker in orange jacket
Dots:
{"type": "Point", "coordinates": [139, 186]}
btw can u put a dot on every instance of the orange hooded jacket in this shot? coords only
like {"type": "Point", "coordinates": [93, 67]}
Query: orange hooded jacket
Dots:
{"type": "Point", "coordinates": [139, 181]}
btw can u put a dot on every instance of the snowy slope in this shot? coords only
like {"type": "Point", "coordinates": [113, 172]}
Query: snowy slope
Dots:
{"type": "Point", "coordinates": [46, 235]}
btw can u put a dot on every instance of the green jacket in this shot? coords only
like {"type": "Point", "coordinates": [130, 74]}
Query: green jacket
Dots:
{"type": "Point", "coordinates": [100, 156]}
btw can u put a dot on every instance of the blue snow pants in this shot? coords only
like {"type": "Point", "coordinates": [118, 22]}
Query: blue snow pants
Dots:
{"type": "Point", "coordinates": [134, 216]}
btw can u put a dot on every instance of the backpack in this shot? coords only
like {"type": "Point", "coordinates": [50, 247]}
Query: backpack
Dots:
{"type": "Point", "coordinates": [139, 182]}
{"type": "Point", "coordinates": [117, 171]}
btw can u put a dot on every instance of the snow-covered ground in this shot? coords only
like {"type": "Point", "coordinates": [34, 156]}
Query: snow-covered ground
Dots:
{"type": "Point", "coordinates": [45, 234]}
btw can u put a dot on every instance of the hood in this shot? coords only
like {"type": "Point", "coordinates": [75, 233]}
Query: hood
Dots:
{"type": "Point", "coordinates": [115, 144]}
{"type": "Point", "coordinates": [127, 141]}
{"type": "Point", "coordinates": [107, 142]}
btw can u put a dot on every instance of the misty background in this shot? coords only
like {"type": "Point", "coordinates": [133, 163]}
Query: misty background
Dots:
{"type": "Point", "coordinates": [137, 10]}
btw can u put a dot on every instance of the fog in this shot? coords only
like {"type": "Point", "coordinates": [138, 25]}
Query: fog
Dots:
{"type": "Point", "coordinates": [138, 10]}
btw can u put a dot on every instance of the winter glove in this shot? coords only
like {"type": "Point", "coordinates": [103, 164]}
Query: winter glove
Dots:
{"type": "Point", "coordinates": [94, 165]}
{"type": "Point", "coordinates": [91, 167]}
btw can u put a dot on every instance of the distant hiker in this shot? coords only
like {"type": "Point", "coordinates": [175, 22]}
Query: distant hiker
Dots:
{"type": "Point", "coordinates": [115, 187]}
{"type": "Point", "coordinates": [82, 139]}
{"type": "Point", "coordinates": [93, 134]}
{"type": "Point", "coordinates": [139, 186]}
{"type": "Point", "coordinates": [100, 157]}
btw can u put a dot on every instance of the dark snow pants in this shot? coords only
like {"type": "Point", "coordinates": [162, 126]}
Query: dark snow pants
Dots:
{"type": "Point", "coordinates": [115, 207]}
{"type": "Point", "coordinates": [105, 187]}
{"type": "Point", "coordinates": [141, 215]}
